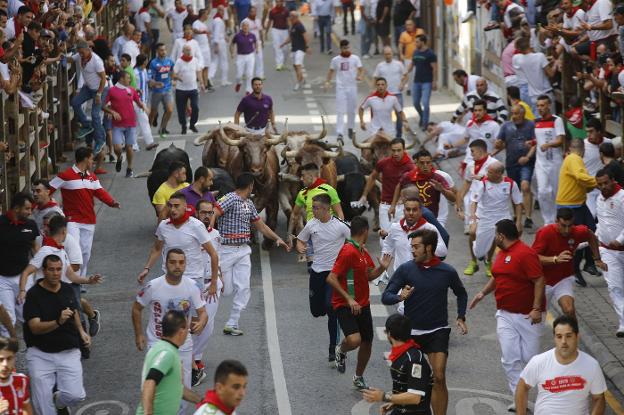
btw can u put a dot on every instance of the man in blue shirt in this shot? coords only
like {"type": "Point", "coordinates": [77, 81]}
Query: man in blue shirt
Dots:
{"type": "Point", "coordinates": [519, 158]}
{"type": "Point", "coordinates": [160, 71]}
{"type": "Point", "coordinates": [423, 284]}
{"type": "Point", "coordinates": [425, 66]}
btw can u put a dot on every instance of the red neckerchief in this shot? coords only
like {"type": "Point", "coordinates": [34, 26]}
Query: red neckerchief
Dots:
{"type": "Point", "coordinates": [417, 174]}
{"type": "Point", "coordinates": [414, 227]}
{"type": "Point", "coordinates": [404, 160]}
{"type": "Point", "coordinates": [479, 164]}
{"type": "Point", "coordinates": [485, 118]}
{"type": "Point", "coordinates": [316, 183]}
{"type": "Point", "coordinates": [1, 52]}
{"type": "Point", "coordinates": [572, 12]}
{"type": "Point", "coordinates": [397, 351]}
{"type": "Point", "coordinates": [18, 27]}
{"type": "Point", "coordinates": [49, 241]}
{"type": "Point", "coordinates": [591, 3]}
{"type": "Point", "coordinates": [189, 37]}
{"type": "Point", "coordinates": [219, 15]}
{"type": "Point", "coordinates": [186, 58]}
{"type": "Point", "coordinates": [181, 220]}
{"type": "Point", "coordinates": [180, 9]}
{"type": "Point", "coordinates": [375, 94]}
{"type": "Point", "coordinates": [213, 399]}
{"type": "Point", "coordinates": [50, 204]}
{"type": "Point", "coordinates": [143, 10]}
{"type": "Point", "coordinates": [345, 54]}
{"type": "Point", "coordinates": [13, 220]}
{"type": "Point", "coordinates": [616, 189]}
{"type": "Point", "coordinates": [431, 263]}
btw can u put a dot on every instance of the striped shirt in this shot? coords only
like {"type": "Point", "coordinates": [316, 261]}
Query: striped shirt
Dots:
{"type": "Point", "coordinates": [16, 392]}
{"type": "Point", "coordinates": [142, 81]}
{"type": "Point", "coordinates": [237, 215]}
{"type": "Point", "coordinates": [495, 106]}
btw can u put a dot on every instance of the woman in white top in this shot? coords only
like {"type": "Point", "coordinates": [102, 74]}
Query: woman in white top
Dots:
{"type": "Point", "coordinates": [202, 35]}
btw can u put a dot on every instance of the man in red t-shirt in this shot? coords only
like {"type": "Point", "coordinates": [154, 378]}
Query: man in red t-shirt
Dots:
{"type": "Point", "coordinates": [555, 244]}
{"type": "Point", "coordinates": [119, 104]}
{"type": "Point", "coordinates": [391, 169]}
{"type": "Point", "coordinates": [518, 285]}
{"type": "Point", "coordinates": [278, 23]}
{"type": "Point", "coordinates": [349, 278]}
{"type": "Point", "coordinates": [430, 183]}
{"type": "Point", "coordinates": [14, 387]}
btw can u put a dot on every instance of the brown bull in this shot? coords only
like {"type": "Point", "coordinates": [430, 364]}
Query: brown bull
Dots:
{"type": "Point", "coordinates": [258, 156]}
{"type": "Point", "coordinates": [373, 149]}
{"type": "Point", "coordinates": [217, 153]}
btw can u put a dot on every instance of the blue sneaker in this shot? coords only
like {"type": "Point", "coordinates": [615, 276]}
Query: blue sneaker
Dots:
{"type": "Point", "coordinates": [97, 148]}
{"type": "Point", "coordinates": [83, 132]}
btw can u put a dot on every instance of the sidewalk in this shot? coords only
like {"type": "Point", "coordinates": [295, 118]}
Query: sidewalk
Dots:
{"type": "Point", "coordinates": [597, 320]}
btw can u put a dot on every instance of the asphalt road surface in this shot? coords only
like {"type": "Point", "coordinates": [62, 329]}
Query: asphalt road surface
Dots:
{"type": "Point", "coordinates": [284, 347]}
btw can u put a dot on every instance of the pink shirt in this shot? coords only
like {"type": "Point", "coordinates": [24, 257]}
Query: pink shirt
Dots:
{"type": "Point", "coordinates": [121, 100]}
{"type": "Point", "coordinates": [507, 58]}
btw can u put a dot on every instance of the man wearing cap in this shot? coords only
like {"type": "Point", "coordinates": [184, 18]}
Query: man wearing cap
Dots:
{"type": "Point", "coordinates": [94, 76]}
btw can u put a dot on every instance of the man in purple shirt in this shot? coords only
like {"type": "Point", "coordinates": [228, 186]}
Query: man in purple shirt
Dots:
{"type": "Point", "coordinates": [200, 188]}
{"type": "Point", "coordinates": [257, 108]}
{"type": "Point", "coordinates": [246, 48]}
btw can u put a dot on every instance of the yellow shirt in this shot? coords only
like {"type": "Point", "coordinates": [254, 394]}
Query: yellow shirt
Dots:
{"type": "Point", "coordinates": [528, 113]}
{"type": "Point", "coordinates": [165, 191]}
{"type": "Point", "coordinates": [409, 41]}
{"type": "Point", "coordinates": [574, 181]}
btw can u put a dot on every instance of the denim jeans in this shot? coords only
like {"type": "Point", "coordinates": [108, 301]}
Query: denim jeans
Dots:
{"type": "Point", "coordinates": [85, 94]}
{"type": "Point", "coordinates": [346, 10]}
{"type": "Point", "coordinates": [421, 92]}
{"type": "Point", "coordinates": [181, 98]}
{"type": "Point", "coordinates": [399, 121]}
{"type": "Point", "coordinates": [368, 36]}
{"type": "Point", "coordinates": [325, 30]}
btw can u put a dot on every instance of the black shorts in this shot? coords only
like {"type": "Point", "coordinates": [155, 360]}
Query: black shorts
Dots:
{"type": "Point", "coordinates": [435, 342]}
{"type": "Point", "coordinates": [362, 323]}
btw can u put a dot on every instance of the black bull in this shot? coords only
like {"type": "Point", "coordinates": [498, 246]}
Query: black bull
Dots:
{"type": "Point", "coordinates": [351, 183]}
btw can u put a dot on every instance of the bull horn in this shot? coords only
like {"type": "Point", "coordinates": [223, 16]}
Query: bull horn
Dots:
{"type": "Point", "coordinates": [361, 146]}
{"type": "Point", "coordinates": [321, 135]}
{"type": "Point", "coordinates": [200, 140]}
{"type": "Point", "coordinates": [340, 178]}
{"type": "Point", "coordinates": [227, 139]}
{"type": "Point", "coordinates": [290, 154]}
{"type": "Point", "coordinates": [281, 139]}
{"type": "Point", "coordinates": [330, 154]}
{"type": "Point", "coordinates": [414, 138]}
{"type": "Point", "coordinates": [289, 177]}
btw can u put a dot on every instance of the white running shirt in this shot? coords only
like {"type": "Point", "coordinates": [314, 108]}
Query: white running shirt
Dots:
{"type": "Point", "coordinates": [545, 132]}
{"type": "Point", "coordinates": [564, 389]}
{"type": "Point", "coordinates": [381, 112]}
{"type": "Point", "coordinates": [393, 72]}
{"type": "Point", "coordinates": [493, 199]}
{"type": "Point", "coordinates": [327, 239]}
{"type": "Point", "coordinates": [346, 70]}
{"type": "Point", "coordinates": [398, 244]}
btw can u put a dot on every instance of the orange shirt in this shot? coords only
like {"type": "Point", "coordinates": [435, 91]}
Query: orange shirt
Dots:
{"type": "Point", "coordinates": [408, 40]}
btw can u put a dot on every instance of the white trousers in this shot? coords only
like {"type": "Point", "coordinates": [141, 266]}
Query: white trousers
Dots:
{"type": "Point", "coordinates": [259, 65]}
{"type": "Point", "coordinates": [200, 342]}
{"type": "Point", "coordinates": [519, 341]}
{"type": "Point", "coordinates": [592, 201]}
{"type": "Point", "coordinates": [47, 369]}
{"type": "Point", "coordinates": [83, 233]}
{"type": "Point", "coordinates": [443, 211]}
{"type": "Point", "coordinates": [346, 104]}
{"type": "Point", "coordinates": [219, 60]}
{"type": "Point", "coordinates": [448, 138]}
{"type": "Point", "coordinates": [143, 125]}
{"type": "Point", "coordinates": [547, 185]}
{"type": "Point", "coordinates": [9, 288]}
{"type": "Point", "coordinates": [245, 67]}
{"type": "Point", "coordinates": [278, 37]}
{"type": "Point", "coordinates": [384, 221]}
{"type": "Point", "coordinates": [484, 238]}
{"type": "Point", "coordinates": [206, 54]}
{"type": "Point", "coordinates": [235, 263]}
{"type": "Point", "coordinates": [615, 281]}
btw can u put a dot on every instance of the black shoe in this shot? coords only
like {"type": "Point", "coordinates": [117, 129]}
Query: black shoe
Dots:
{"type": "Point", "coordinates": [183, 131]}
{"type": "Point", "coordinates": [331, 358]}
{"type": "Point", "coordinates": [197, 376]}
{"type": "Point", "coordinates": [350, 133]}
{"type": "Point", "coordinates": [330, 52]}
{"type": "Point", "coordinates": [118, 164]}
{"type": "Point", "coordinates": [60, 410]}
{"type": "Point", "coordinates": [591, 269]}
{"type": "Point", "coordinates": [536, 205]}
{"type": "Point", "coordinates": [111, 158]}
{"type": "Point", "coordinates": [578, 278]}
{"type": "Point", "coordinates": [95, 324]}
{"type": "Point", "coordinates": [155, 122]}
{"type": "Point", "coordinates": [341, 360]}
{"type": "Point", "coordinates": [193, 129]}
{"type": "Point", "coordinates": [528, 223]}
{"type": "Point", "coordinates": [164, 131]}
{"type": "Point", "coordinates": [129, 173]}
{"type": "Point", "coordinates": [85, 352]}
{"type": "Point", "coordinates": [620, 333]}
{"type": "Point", "coordinates": [376, 52]}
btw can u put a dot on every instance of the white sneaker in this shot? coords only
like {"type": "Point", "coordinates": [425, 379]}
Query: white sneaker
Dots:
{"type": "Point", "coordinates": [226, 83]}
{"type": "Point", "coordinates": [366, 56]}
{"type": "Point", "coordinates": [511, 408]}
{"type": "Point", "coordinates": [296, 87]}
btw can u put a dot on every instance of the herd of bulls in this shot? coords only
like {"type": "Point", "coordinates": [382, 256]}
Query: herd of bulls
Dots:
{"type": "Point", "coordinates": [231, 149]}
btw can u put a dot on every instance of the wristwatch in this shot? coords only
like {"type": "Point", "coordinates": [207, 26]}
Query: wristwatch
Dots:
{"type": "Point", "coordinates": [387, 397]}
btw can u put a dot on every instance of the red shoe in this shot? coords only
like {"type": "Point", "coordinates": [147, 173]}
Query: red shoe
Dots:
{"type": "Point", "coordinates": [100, 171]}
{"type": "Point", "coordinates": [237, 87]}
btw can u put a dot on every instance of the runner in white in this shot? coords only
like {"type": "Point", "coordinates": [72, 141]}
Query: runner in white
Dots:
{"type": "Point", "coordinates": [591, 157]}
{"type": "Point", "coordinates": [482, 127]}
{"type": "Point", "coordinates": [349, 71]}
{"type": "Point", "coordinates": [187, 40]}
{"type": "Point", "coordinates": [205, 212]}
{"type": "Point", "coordinates": [396, 242]}
{"type": "Point", "coordinates": [44, 204]}
{"type": "Point", "coordinates": [255, 27]}
{"type": "Point", "coordinates": [392, 71]}
{"type": "Point", "coordinates": [202, 36]}
{"type": "Point", "coordinates": [610, 233]}
{"type": "Point", "coordinates": [489, 203]}
{"type": "Point", "coordinates": [133, 47]}
{"type": "Point", "coordinates": [565, 377]}
{"type": "Point", "coordinates": [381, 104]}
{"type": "Point", "coordinates": [549, 138]}
{"type": "Point", "coordinates": [175, 19]}
{"type": "Point", "coordinates": [218, 48]}
{"type": "Point", "coordinates": [449, 136]}
{"type": "Point", "coordinates": [171, 291]}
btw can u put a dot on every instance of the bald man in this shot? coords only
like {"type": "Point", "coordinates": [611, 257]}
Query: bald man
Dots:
{"type": "Point", "coordinates": [514, 137]}
{"type": "Point", "coordinates": [489, 203]}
